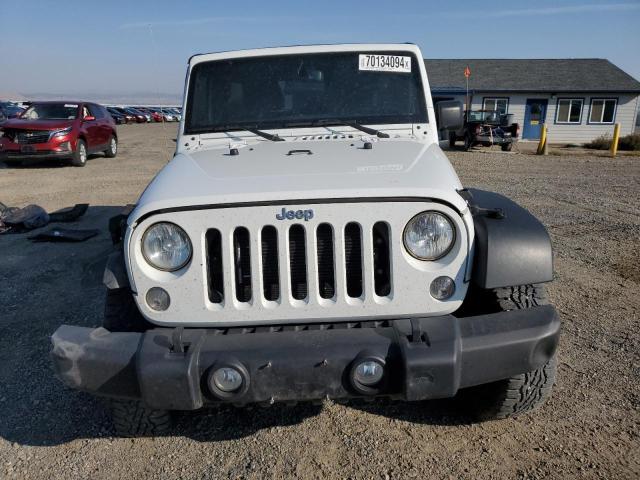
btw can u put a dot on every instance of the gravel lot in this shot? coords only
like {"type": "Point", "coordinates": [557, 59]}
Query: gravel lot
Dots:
{"type": "Point", "coordinates": [589, 429]}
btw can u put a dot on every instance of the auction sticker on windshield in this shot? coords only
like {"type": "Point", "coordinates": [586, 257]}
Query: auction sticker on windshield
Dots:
{"type": "Point", "coordinates": [385, 63]}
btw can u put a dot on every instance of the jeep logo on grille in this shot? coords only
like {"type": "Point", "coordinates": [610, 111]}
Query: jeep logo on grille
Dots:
{"type": "Point", "coordinates": [295, 214]}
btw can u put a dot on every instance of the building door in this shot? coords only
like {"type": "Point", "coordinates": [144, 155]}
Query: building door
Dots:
{"type": "Point", "coordinates": [534, 115]}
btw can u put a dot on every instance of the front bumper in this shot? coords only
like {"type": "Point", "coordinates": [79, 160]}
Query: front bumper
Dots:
{"type": "Point", "coordinates": [424, 358]}
{"type": "Point", "coordinates": [53, 149]}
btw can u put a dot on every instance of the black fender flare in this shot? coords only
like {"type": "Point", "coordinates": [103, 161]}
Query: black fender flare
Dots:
{"type": "Point", "coordinates": [115, 271]}
{"type": "Point", "coordinates": [512, 247]}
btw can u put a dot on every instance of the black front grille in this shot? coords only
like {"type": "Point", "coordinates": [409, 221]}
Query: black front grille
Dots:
{"type": "Point", "coordinates": [381, 259]}
{"type": "Point", "coordinates": [326, 269]}
{"type": "Point", "coordinates": [214, 265]}
{"type": "Point", "coordinates": [242, 259]}
{"type": "Point", "coordinates": [284, 274]}
{"type": "Point", "coordinates": [298, 262]}
{"type": "Point", "coordinates": [270, 271]}
{"type": "Point", "coordinates": [30, 137]}
{"type": "Point", "coordinates": [353, 259]}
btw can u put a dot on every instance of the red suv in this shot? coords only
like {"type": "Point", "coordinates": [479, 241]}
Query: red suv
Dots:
{"type": "Point", "coordinates": [67, 130]}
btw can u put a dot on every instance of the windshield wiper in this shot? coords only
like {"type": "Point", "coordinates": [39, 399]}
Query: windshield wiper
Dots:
{"type": "Point", "coordinates": [227, 128]}
{"type": "Point", "coordinates": [268, 136]}
{"type": "Point", "coordinates": [348, 123]}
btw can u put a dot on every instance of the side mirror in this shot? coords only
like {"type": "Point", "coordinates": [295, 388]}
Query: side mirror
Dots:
{"type": "Point", "coordinates": [450, 115]}
{"type": "Point", "coordinates": [89, 118]}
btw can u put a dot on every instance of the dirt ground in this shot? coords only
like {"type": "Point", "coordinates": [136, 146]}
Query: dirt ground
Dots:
{"type": "Point", "coordinates": [589, 429]}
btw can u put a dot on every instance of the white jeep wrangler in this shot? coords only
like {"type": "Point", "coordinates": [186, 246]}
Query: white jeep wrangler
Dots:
{"type": "Point", "coordinates": [310, 240]}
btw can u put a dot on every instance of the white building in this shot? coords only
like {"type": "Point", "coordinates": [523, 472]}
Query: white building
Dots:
{"type": "Point", "coordinates": [578, 99]}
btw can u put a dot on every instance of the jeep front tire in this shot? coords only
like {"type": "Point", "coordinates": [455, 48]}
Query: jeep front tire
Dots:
{"type": "Point", "coordinates": [134, 419]}
{"type": "Point", "coordinates": [520, 393]}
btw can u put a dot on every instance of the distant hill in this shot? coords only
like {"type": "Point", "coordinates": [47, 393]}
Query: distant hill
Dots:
{"type": "Point", "coordinates": [11, 96]}
{"type": "Point", "coordinates": [140, 98]}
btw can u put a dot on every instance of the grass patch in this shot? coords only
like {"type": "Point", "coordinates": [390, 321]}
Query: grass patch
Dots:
{"type": "Point", "coordinates": [628, 142]}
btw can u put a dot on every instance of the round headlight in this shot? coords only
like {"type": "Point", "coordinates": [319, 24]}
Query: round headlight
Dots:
{"type": "Point", "coordinates": [166, 246]}
{"type": "Point", "coordinates": [429, 236]}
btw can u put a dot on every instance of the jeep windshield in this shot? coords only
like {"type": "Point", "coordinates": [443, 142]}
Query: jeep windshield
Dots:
{"type": "Point", "coordinates": [303, 90]}
{"type": "Point", "coordinates": [51, 111]}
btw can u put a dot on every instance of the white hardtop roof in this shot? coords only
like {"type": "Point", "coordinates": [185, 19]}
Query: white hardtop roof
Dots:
{"type": "Point", "coordinates": [297, 49]}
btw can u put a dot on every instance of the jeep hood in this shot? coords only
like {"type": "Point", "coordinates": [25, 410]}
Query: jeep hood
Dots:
{"type": "Point", "coordinates": [290, 172]}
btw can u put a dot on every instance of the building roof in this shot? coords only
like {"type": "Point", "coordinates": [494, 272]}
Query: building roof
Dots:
{"type": "Point", "coordinates": [531, 75]}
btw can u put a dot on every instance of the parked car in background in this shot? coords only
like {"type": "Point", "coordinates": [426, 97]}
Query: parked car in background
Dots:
{"type": "Point", "coordinates": [176, 113]}
{"type": "Point", "coordinates": [118, 117]}
{"type": "Point", "coordinates": [10, 110]}
{"type": "Point", "coordinates": [141, 117]}
{"type": "Point", "coordinates": [148, 112]}
{"type": "Point", "coordinates": [59, 130]}
{"type": "Point", "coordinates": [138, 117]}
{"type": "Point", "coordinates": [166, 114]}
{"type": "Point", "coordinates": [130, 117]}
{"type": "Point", "coordinates": [486, 128]}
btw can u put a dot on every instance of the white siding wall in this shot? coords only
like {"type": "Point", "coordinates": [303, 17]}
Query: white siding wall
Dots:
{"type": "Point", "coordinates": [626, 111]}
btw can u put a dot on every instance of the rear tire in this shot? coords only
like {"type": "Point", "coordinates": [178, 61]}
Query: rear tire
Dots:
{"type": "Point", "coordinates": [79, 158]}
{"type": "Point", "coordinates": [112, 151]}
{"type": "Point", "coordinates": [134, 419]}
{"type": "Point", "coordinates": [507, 147]}
{"type": "Point", "coordinates": [520, 393]}
{"type": "Point", "coordinates": [452, 139]}
{"type": "Point", "coordinates": [468, 143]}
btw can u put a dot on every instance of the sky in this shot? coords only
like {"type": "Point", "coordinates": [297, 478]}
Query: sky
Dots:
{"type": "Point", "coordinates": [126, 48]}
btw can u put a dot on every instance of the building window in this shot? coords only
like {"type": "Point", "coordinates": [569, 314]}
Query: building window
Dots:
{"type": "Point", "coordinates": [500, 105]}
{"type": "Point", "coordinates": [569, 110]}
{"type": "Point", "coordinates": [603, 110]}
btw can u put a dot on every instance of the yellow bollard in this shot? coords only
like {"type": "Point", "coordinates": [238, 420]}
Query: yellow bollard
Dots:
{"type": "Point", "coordinates": [614, 141]}
{"type": "Point", "coordinates": [543, 140]}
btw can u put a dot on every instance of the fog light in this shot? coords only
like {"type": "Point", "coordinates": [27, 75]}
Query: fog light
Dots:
{"type": "Point", "coordinates": [158, 299]}
{"type": "Point", "coordinates": [227, 379]}
{"type": "Point", "coordinates": [442, 288]}
{"type": "Point", "coordinates": [368, 373]}
{"type": "Point", "coordinates": [64, 147]}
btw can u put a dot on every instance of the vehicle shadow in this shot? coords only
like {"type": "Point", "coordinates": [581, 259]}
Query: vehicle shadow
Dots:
{"type": "Point", "coordinates": [44, 163]}
{"type": "Point", "coordinates": [445, 412]}
{"type": "Point", "coordinates": [210, 425]}
{"type": "Point", "coordinates": [230, 423]}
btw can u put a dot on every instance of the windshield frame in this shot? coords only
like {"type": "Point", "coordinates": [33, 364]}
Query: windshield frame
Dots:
{"type": "Point", "coordinates": [378, 121]}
